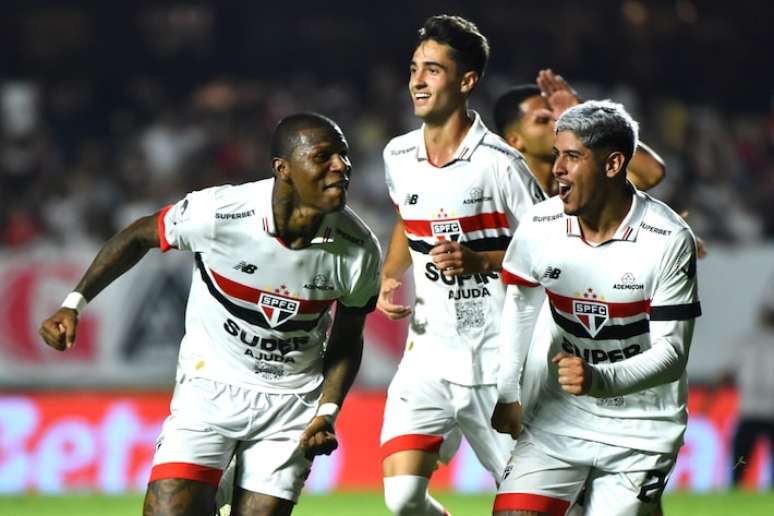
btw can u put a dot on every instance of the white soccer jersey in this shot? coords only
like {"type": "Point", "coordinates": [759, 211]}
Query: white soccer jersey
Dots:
{"type": "Point", "coordinates": [476, 199]}
{"type": "Point", "coordinates": [627, 307]}
{"type": "Point", "coordinates": [258, 312]}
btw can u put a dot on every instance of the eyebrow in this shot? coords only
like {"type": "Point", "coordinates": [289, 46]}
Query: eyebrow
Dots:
{"type": "Point", "coordinates": [428, 63]}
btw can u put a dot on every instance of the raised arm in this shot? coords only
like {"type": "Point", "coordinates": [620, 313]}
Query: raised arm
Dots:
{"type": "Point", "coordinates": [118, 255]}
{"type": "Point", "coordinates": [646, 168]}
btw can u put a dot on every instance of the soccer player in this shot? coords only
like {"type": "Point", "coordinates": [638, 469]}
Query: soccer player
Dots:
{"type": "Point", "coordinates": [459, 191]}
{"type": "Point", "coordinates": [525, 116]}
{"type": "Point", "coordinates": [619, 270]}
{"type": "Point", "coordinates": [257, 377]}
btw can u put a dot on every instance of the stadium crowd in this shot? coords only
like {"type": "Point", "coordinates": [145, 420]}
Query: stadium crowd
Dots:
{"type": "Point", "coordinates": [81, 154]}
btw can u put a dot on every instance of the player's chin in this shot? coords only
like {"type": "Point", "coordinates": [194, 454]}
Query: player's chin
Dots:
{"type": "Point", "coordinates": [335, 199]}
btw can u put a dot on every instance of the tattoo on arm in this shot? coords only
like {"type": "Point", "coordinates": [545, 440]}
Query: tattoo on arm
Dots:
{"type": "Point", "coordinates": [119, 254]}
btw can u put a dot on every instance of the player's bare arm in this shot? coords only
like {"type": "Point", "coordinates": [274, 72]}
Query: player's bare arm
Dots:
{"type": "Point", "coordinates": [118, 255]}
{"type": "Point", "coordinates": [340, 365]}
{"type": "Point", "coordinates": [646, 168]}
{"type": "Point", "coordinates": [396, 263]}
{"type": "Point", "coordinates": [454, 258]}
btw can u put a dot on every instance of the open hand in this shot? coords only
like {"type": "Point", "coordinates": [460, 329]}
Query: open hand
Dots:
{"type": "Point", "coordinates": [385, 302]}
{"type": "Point", "coordinates": [557, 91]}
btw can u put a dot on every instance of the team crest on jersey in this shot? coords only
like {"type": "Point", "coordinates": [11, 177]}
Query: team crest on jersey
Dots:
{"type": "Point", "coordinates": [277, 309]}
{"type": "Point", "coordinates": [446, 229]}
{"type": "Point", "coordinates": [591, 314]}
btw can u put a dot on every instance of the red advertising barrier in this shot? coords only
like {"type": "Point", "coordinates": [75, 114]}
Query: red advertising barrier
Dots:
{"type": "Point", "coordinates": [55, 442]}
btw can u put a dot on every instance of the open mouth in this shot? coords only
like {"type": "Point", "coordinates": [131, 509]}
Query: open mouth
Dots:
{"type": "Point", "coordinates": [421, 97]}
{"type": "Point", "coordinates": [564, 189]}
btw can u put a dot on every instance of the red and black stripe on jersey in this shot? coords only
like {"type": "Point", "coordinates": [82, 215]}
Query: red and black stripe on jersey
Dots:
{"type": "Point", "coordinates": [249, 294]}
{"type": "Point", "coordinates": [561, 311]}
{"type": "Point", "coordinates": [494, 223]}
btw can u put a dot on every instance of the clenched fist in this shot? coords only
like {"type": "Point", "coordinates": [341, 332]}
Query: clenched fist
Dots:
{"type": "Point", "coordinates": [59, 330]}
{"type": "Point", "coordinates": [574, 373]}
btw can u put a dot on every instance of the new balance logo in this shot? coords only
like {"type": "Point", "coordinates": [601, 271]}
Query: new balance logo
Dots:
{"type": "Point", "coordinates": [552, 272]}
{"type": "Point", "coordinates": [411, 199]}
{"type": "Point", "coordinates": [247, 268]}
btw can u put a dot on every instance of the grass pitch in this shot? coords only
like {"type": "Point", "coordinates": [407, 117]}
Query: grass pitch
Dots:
{"type": "Point", "coordinates": [368, 504]}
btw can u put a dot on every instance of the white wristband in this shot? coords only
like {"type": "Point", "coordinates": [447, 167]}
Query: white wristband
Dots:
{"type": "Point", "coordinates": [328, 411]}
{"type": "Point", "coordinates": [75, 301]}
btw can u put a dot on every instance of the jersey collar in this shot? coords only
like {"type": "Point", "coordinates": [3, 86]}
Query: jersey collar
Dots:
{"type": "Point", "coordinates": [475, 135]}
{"type": "Point", "coordinates": [630, 226]}
{"type": "Point", "coordinates": [324, 232]}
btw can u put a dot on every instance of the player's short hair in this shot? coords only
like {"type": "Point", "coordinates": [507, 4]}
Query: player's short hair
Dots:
{"type": "Point", "coordinates": [601, 125]}
{"type": "Point", "coordinates": [507, 109]}
{"type": "Point", "coordinates": [287, 134]}
{"type": "Point", "coordinates": [470, 47]}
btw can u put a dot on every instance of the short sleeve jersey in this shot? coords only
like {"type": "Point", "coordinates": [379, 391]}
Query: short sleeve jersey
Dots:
{"type": "Point", "coordinates": [601, 301]}
{"type": "Point", "coordinates": [477, 199]}
{"type": "Point", "coordinates": [258, 311]}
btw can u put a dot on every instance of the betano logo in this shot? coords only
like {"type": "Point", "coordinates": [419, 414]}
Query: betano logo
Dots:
{"type": "Point", "coordinates": [277, 309]}
{"type": "Point", "coordinates": [591, 314]}
{"type": "Point", "coordinates": [447, 229]}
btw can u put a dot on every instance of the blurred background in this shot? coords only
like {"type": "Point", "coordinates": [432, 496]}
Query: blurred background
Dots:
{"type": "Point", "coordinates": [111, 110]}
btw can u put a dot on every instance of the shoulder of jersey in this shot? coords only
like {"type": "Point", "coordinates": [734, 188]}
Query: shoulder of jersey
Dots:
{"type": "Point", "coordinates": [545, 213]}
{"type": "Point", "coordinates": [493, 143]}
{"type": "Point", "coordinates": [402, 146]}
{"type": "Point", "coordinates": [350, 227]}
{"type": "Point", "coordinates": [660, 219]}
{"type": "Point", "coordinates": [236, 197]}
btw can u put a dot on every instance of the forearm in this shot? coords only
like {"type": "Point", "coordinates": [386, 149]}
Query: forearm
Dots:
{"type": "Point", "coordinates": [646, 168]}
{"type": "Point", "coordinates": [118, 255]}
{"type": "Point", "coordinates": [342, 355]}
{"type": "Point", "coordinates": [488, 261]}
{"type": "Point", "coordinates": [339, 372]}
{"type": "Point", "coordinates": [520, 313]}
{"type": "Point", "coordinates": [661, 364]}
{"type": "Point", "coordinates": [398, 258]}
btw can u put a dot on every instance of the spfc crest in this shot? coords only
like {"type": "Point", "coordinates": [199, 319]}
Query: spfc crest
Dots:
{"type": "Point", "coordinates": [446, 229]}
{"type": "Point", "coordinates": [591, 314]}
{"type": "Point", "coordinates": [277, 309]}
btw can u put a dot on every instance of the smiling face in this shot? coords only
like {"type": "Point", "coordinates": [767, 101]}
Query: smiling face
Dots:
{"type": "Point", "coordinates": [579, 175]}
{"type": "Point", "coordinates": [436, 84]}
{"type": "Point", "coordinates": [319, 169]}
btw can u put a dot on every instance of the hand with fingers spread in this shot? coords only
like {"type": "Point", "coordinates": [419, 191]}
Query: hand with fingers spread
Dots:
{"type": "Point", "coordinates": [453, 258]}
{"type": "Point", "coordinates": [506, 418]}
{"type": "Point", "coordinates": [557, 91]}
{"type": "Point", "coordinates": [318, 438]}
{"type": "Point", "coordinates": [58, 331]}
{"type": "Point", "coordinates": [574, 373]}
{"type": "Point", "coordinates": [385, 302]}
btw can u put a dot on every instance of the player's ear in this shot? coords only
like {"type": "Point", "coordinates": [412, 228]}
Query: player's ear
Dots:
{"type": "Point", "coordinates": [515, 140]}
{"type": "Point", "coordinates": [469, 81]}
{"type": "Point", "coordinates": [614, 164]}
{"type": "Point", "coordinates": [280, 168]}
